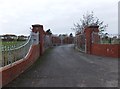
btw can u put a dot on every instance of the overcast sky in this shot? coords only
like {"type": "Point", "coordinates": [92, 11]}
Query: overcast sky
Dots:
{"type": "Point", "coordinates": [17, 16]}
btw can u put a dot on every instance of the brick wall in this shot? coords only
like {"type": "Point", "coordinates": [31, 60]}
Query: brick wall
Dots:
{"type": "Point", "coordinates": [56, 40]}
{"type": "Point", "coordinates": [10, 72]}
{"type": "Point", "coordinates": [109, 50]}
{"type": "Point", "coordinates": [68, 40]}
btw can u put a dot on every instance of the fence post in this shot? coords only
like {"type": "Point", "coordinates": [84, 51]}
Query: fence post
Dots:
{"type": "Point", "coordinates": [39, 28]}
{"type": "Point", "coordinates": [88, 32]}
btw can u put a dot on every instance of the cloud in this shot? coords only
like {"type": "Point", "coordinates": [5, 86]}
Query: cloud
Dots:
{"type": "Point", "coordinates": [16, 16]}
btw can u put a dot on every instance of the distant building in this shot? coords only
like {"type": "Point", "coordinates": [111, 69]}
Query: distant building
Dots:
{"type": "Point", "coordinates": [12, 37]}
{"type": "Point", "coordinates": [8, 37]}
{"type": "Point", "coordinates": [1, 36]}
{"type": "Point", "coordinates": [56, 40]}
{"type": "Point", "coordinates": [22, 38]}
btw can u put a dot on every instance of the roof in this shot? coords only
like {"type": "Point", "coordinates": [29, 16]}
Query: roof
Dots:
{"type": "Point", "coordinates": [9, 35]}
{"type": "Point", "coordinates": [37, 25]}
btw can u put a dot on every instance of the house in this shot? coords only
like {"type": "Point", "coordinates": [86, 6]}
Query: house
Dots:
{"type": "Point", "coordinates": [22, 38]}
{"type": "Point", "coordinates": [8, 37]}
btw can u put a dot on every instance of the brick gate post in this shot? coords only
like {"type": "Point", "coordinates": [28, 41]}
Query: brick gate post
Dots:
{"type": "Point", "coordinates": [39, 28]}
{"type": "Point", "coordinates": [88, 34]}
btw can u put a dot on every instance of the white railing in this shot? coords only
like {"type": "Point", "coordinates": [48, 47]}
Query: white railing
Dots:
{"type": "Point", "coordinates": [11, 54]}
{"type": "Point", "coordinates": [80, 42]}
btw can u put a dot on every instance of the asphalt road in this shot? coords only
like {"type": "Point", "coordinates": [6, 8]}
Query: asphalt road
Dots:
{"type": "Point", "coordinates": [63, 66]}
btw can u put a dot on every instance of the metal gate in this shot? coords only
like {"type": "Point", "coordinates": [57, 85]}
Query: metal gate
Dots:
{"type": "Point", "coordinates": [81, 42]}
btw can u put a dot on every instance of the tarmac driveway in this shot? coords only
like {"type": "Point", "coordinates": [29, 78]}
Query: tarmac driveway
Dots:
{"type": "Point", "coordinates": [62, 66]}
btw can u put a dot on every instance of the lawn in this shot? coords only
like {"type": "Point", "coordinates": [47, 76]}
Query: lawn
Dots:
{"type": "Point", "coordinates": [7, 55]}
{"type": "Point", "coordinates": [117, 41]}
{"type": "Point", "coordinates": [11, 43]}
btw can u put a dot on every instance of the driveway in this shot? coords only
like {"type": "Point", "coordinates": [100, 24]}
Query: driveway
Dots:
{"type": "Point", "coordinates": [62, 66]}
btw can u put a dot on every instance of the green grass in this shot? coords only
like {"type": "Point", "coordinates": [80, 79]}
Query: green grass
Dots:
{"type": "Point", "coordinates": [10, 43]}
{"type": "Point", "coordinates": [110, 42]}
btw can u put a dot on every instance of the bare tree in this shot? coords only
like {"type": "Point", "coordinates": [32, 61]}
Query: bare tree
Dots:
{"type": "Point", "coordinates": [89, 20]}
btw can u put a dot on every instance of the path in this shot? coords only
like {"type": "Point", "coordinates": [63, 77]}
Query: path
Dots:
{"type": "Point", "coordinates": [63, 66]}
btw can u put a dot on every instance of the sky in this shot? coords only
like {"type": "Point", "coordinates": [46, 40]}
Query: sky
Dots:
{"type": "Point", "coordinates": [119, 18]}
{"type": "Point", "coordinates": [17, 16]}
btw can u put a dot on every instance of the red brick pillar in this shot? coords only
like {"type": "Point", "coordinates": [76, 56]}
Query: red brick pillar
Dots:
{"type": "Point", "coordinates": [88, 33]}
{"type": "Point", "coordinates": [39, 28]}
